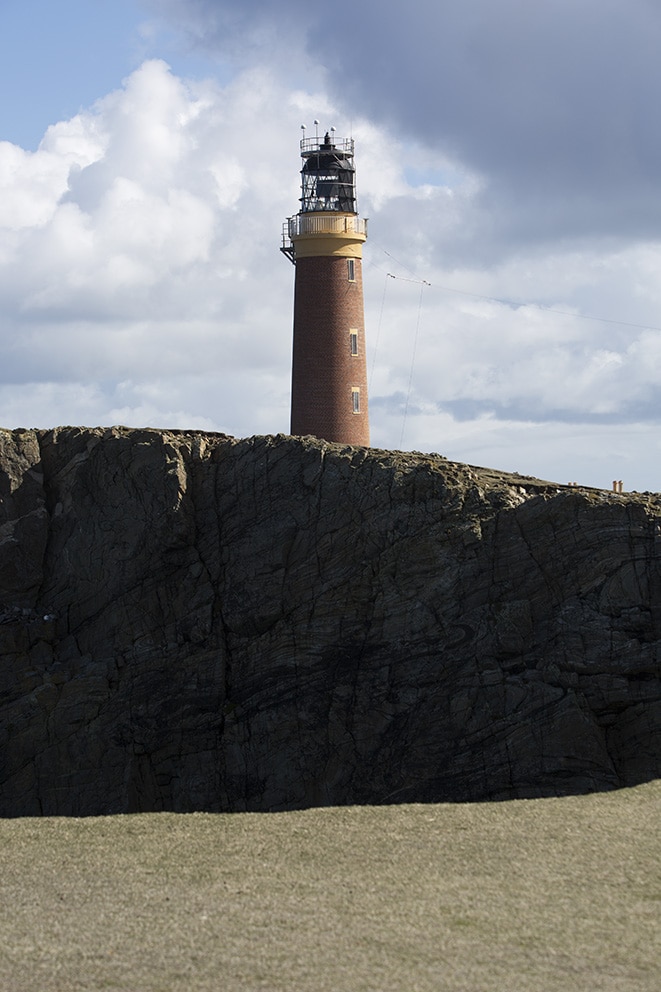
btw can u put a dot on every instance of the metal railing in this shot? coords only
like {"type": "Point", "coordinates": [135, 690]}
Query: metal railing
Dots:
{"type": "Point", "coordinates": [311, 145]}
{"type": "Point", "coordinates": [329, 223]}
{"type": "Point", "coordinates": [287, 246]}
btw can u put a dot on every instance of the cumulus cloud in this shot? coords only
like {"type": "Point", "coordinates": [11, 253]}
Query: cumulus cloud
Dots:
{"type": "Point", "coordinates": [551, 103]}
{"type": "Point", "coordinates": [141, 283]}
{"type": "Point", "coordinates": [128, 253]}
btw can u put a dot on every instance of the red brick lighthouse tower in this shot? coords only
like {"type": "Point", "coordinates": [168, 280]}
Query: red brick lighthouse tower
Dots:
{"type": "Point", "coordinates": [324, 241]}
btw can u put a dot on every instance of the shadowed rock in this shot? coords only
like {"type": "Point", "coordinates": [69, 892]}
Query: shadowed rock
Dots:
{"type": "Point", "coordinates": [189, 621]}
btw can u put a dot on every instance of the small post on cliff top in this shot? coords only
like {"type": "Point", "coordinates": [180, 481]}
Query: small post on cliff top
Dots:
{"type": "Point", "coordinates": [324, 240]}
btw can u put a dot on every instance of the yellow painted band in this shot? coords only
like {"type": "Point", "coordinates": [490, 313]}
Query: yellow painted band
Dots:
{"type": "Point", "coordinates": [308, 245]}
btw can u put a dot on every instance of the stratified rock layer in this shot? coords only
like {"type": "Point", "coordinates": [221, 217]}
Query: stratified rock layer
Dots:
{"type": "Point", "coordinates": [190, 622]}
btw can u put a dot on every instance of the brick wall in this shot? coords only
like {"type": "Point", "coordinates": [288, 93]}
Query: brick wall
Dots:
{"type": "Point", "coordinates": [327, 307]}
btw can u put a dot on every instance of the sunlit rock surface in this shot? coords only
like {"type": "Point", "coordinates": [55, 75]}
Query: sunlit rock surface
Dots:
{"type": "Point", "coordinates": [189, 621]}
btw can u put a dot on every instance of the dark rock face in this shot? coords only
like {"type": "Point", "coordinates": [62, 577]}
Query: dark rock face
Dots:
{"type": "Point", "coordinates": [192, 622]}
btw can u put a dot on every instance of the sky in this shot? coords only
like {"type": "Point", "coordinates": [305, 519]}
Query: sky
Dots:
{"type": "Point", "coordinates": [508, 158]}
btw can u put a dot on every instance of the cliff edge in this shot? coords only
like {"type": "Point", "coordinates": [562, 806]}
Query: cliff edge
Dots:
{"type": "Point", "coordinates": [194, 622]}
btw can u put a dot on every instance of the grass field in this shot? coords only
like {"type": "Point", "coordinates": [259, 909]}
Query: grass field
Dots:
{"type": "Point", "coordinates": [525, 896]}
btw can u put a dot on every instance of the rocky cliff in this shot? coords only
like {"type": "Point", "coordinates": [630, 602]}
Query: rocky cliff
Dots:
{"type": "Point", "coordinates": [189, 621]}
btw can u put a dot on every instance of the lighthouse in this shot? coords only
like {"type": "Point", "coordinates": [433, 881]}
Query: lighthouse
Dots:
{"type": "Point", "coordinates": [324, 240]}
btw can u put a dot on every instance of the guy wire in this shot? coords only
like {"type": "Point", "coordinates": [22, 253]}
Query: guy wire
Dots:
{"type": "Point", "coordinates": [415, 345]}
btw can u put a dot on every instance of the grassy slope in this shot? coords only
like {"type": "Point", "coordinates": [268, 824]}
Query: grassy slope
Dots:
{"type": "Point", "coordinates": [529, 896]}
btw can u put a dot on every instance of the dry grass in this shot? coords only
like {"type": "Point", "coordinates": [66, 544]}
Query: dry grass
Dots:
{"type": "Point", "coordinates": [529, 896]}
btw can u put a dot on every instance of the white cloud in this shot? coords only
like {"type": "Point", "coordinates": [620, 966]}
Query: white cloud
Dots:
{"type": "Point", "coordinates": [153, 260]}
{"type": "Point", "coordinates": [551, 104]}
{"type": "Point", "coordinates": [140, 282]}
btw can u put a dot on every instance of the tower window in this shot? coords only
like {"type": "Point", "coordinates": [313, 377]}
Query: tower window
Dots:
{"type": "Point", "coordinates": [355, 399]}
{"type": "Point", "coordinates": [351, 270]}
{"type": "Point", "coordinates": [353, 342]}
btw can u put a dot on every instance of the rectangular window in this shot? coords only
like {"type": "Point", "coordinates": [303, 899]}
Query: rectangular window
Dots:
{"type": "Point", "coordinates": [353, 342]}
{"type": "Point", "coordinates": [351, 269]}
{"type": "Point", "coordinates": [355, 399]}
